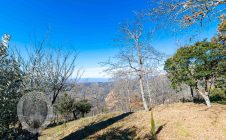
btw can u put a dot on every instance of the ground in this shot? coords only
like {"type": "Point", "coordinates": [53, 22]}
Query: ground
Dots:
{"type": "Point", "coordinates": [179, 121]}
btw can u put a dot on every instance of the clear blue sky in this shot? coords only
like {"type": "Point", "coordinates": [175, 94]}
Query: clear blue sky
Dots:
{"type": "Point", "coordinates": [87, 25]}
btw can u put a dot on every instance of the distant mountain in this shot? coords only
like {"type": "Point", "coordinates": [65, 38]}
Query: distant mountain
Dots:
{"type": "Point", "coordinates": [94, 80]}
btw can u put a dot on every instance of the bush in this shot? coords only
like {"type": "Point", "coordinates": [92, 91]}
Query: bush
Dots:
{"type": "Point", "coordinates": [65, 106]}
{"type": "Point", "coordinates": [83, 107]}
{"type": "Point", "coordinates": [217, 94]}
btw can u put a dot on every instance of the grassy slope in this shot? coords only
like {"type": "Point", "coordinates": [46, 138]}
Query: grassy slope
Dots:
{"type": "Point", "coordinates": [179, 121]}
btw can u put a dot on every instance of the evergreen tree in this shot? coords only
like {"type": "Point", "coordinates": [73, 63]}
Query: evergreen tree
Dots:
{"type": "Point", "coordinates": [65, 106]}
{"type": "Point", "coordinates": [200, 66]}
{"type": "Point", "coordinates": [10, 87]}
{"type": "Point", "coordinates": [83, 107]}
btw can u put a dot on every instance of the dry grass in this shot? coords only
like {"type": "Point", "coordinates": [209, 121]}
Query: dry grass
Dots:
{"type": "Point", "coordinates": [63, 130]}
{"type": "Point", "coordinates": [186, 121]}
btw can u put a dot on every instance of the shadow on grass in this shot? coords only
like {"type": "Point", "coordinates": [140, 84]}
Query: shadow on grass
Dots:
{"type": "Point", "coordinates": [125, 134]}
{"type": "Point", "coordinates": [93, 128]}
{"type": "Point", "coordinates": [54, 125]}
{"type": "Point", "coordinates": [160, 129]}
{"type": "Point", "coordinates": [118, 134]}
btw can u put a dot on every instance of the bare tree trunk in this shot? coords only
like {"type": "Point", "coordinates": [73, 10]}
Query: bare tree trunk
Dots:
{"type": "Point", "coordinates": [205, 97]}
{"type": "Point", "coordinates": [149, 91]}
{"type": "Point", "coordinates": [128, 94]}
{"type": "Point", "coordinates": [141, 75]}
{"type": "Point", "coordinates": [130, 109]}
{"type": "Point", "coordinates": [74, 115]}
{"type": "Point", "coordinates": [192, 93]}
{"type": "Point", "coordinates": [142, 93]}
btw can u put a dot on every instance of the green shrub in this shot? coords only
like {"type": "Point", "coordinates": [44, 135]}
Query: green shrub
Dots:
{"type": "Point", "coordinates": [217, 94]}
{"type": "Point", "coordinates": [65, 106]}
{"type": "Point", "coordinates": [83, 107]}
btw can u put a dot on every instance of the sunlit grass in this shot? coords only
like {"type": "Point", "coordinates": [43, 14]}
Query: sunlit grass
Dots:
{"type": "Point", "coordinates": [180, 121]}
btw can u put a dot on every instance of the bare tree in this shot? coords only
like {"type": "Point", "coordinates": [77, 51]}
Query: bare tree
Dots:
{"type": "Point", "coordinates": [187, 12]}
{"type": "Point", "coordinates": [136, 54]}
{"type": "Point", "coordinates": [122, 88]}
{"type": "Point", "coordinates": [163, 93]}
{"type": "Point", "coordinates": [125, 93]}
{"type": "Point", "coordinates": [97, 93]}
{"type": "Point", "coordinates": [48, 71]}
{"type": "Point", "coordinates": [150, 72]}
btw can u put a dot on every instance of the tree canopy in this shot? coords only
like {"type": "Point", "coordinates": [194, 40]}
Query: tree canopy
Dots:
{"type": "Point", "coordinates": [198, 66]}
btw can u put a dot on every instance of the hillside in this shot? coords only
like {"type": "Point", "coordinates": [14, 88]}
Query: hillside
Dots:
{"type": "Point", "coordinates": [178, 121]}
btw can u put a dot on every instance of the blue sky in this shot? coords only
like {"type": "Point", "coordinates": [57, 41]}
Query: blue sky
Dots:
{"type": "Point", "coordinates": [86, 25]}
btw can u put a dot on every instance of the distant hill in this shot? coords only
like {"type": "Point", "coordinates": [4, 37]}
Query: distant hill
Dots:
{"type": "Point", "coordinates": [179, 121]}
{"type": "Point", "coordinates": [93, 80]}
